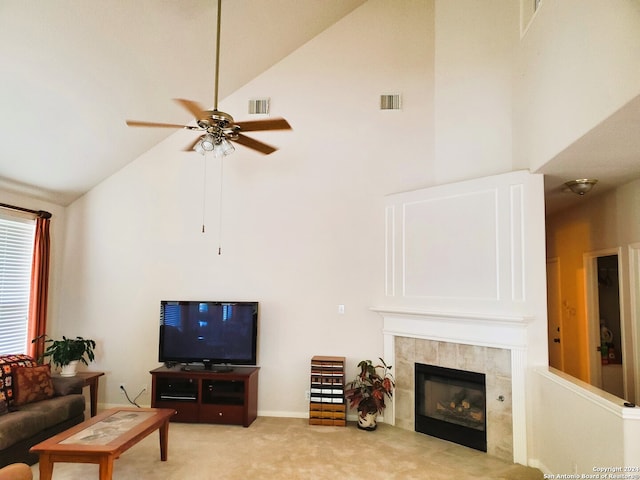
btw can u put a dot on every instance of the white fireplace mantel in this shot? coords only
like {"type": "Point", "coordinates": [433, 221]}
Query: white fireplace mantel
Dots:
{"type": "Point", "coordinates": [505, 332]}
{"type": "Point", "coordinates": [467, 328]}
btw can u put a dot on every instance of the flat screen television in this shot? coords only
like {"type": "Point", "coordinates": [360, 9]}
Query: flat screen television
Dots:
{"type": "Point", "coordinates": [209, 335]}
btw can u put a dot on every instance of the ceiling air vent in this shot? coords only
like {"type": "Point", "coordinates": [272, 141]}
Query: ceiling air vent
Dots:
{"type": "Point", "coordinates": [390, 102]}
{"type": "Point", "coordinates": [259, 106]}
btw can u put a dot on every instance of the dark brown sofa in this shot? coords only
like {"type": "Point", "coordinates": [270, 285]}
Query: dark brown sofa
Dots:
{"type": "Point", "coordinates": [26, 424]}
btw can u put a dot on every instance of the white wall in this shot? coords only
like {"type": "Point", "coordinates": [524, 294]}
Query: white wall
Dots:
{"type": "Point", "coordinates": [475, 45]}
{"type": "Point", "coordinates": [578, 62]}
{"type": "Point", "coordinates": [303, 229]}
{"type": "Point", "coordinates": [581, 427]}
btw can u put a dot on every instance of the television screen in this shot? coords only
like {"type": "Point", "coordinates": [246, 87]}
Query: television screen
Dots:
{"type": "Point", "coordinates": [211, 333]}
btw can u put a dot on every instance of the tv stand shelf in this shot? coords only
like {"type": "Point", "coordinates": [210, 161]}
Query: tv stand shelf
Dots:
{"type": "Point", "coordinates": [207, 396]}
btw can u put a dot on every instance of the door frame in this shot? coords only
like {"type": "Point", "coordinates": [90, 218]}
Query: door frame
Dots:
{"type": "Point", "coordinates": [557, 313]}
{"type": "Point", "coordinates": [590, 261]}
{"type": "Point", "coordinates": [634, 301]}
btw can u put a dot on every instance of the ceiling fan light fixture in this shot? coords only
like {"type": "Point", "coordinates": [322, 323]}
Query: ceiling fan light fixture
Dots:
{"type": "Point", "coordinates": [223, 148]}
{"type": "Point", "coordinates": [581, 186]}
{"type": "Point", "coordinates": [207, 143]}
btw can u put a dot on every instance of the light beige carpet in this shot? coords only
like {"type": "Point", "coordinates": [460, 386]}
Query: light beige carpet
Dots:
{"type": "Point", "coordinates": [291, 449]}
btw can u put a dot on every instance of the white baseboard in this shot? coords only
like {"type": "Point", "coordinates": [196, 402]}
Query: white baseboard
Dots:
{"type": "Point", "coordinates": [535, 463]}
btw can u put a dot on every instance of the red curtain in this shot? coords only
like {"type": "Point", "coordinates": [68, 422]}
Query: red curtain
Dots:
{"type": "Point", "coordinates": [39, 286]}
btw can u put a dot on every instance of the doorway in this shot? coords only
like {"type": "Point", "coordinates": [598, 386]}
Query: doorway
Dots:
{"type": "Point", "coordinates": [554, 314]}
{"type": "Point", "coordinates": [606, 334]}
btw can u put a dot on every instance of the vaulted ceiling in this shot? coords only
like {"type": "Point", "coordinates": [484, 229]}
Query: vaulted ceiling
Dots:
{"type": "Point", "coordinates": [72, 72]}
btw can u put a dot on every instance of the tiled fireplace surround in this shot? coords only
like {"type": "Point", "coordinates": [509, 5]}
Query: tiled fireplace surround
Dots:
{"type": "Point", "coordinates": [495, 363]}
{"type": "Point", "coordinates": [494, 347]}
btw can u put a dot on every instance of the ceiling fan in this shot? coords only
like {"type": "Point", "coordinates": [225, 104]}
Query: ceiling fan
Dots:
{"type": "Point", "coordinates": [218, 128]}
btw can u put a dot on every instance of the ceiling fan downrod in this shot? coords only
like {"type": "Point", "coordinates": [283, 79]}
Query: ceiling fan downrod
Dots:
{"type": "Point", "coordinates": [217, 70]}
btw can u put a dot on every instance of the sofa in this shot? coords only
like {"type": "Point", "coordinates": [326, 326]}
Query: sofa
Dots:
{"type": "Point", "coordinates": [34, 405]}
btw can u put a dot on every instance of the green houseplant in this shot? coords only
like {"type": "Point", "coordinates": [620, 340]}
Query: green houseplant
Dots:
{"type": "Point", "coordinates": [66, 353]}
{"type": "Point", "coordinates": [368, 390]}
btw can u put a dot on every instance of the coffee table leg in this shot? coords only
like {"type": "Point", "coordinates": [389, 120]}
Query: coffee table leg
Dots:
{"type": "Point", "coordinates": [106, 467]}
{"type": "Point", "coordinates": [46, 466]}
{"type": "Point", "coordinates": [164, 440]}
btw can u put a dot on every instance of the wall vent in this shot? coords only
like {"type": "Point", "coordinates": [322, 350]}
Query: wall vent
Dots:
{"type": "Point", "coordinates": [259, 106]}
{"type": "Point", "coordinates": [390, 102]}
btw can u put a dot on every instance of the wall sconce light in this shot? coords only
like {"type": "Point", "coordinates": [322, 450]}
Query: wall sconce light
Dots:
{"type": "Point", "coordinates": [581, 185]}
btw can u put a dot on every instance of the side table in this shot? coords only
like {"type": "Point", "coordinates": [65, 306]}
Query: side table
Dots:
{"type": "Point", "coordinates": [90, 379]}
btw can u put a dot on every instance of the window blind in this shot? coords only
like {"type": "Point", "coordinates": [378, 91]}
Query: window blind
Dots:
{"type": "Point", "coordinates": [227, 312]}
{"type": "Point", "coordinates": [170, 315]}
{"type": "Point", "coordinates": [16, 257]}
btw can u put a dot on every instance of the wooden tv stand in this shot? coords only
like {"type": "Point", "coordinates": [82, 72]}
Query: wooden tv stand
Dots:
{"type": "Point", "coordinates": [206, 396]}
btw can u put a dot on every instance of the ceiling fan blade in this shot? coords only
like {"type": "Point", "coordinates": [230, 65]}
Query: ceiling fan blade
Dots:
{"type": "Point", "coordinates": [190, 147]}
{"type": "Point", "coordinates": [135, 123]}
{"type": "Point", "coordinates": [196, 110]}
{"type": "Point", "coordinates": [254, 144]}
{"type": "Point", "coordinates": [268, 124]}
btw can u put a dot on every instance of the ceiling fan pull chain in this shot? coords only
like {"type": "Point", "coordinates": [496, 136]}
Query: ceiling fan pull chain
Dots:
{"type": "Point", "coordinates": [220, 207]}
{"type": "Point", "coordinates": [217, 72]}
{"type": "Point", "coordinates": [204, 190]}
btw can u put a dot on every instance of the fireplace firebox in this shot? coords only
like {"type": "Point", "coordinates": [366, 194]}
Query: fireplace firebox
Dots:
{"type": "Point", "coordinates": [451, 404]}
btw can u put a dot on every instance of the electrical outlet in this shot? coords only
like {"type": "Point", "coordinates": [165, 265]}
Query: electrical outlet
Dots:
{"type": "Point", "coordinates": [122, 388]}
{"type": "Point", "coordinates": [143, 390]}
{"type": "Point", "coordinates": [307, 395]}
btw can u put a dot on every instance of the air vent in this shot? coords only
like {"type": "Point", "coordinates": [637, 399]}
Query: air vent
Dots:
{"type": "Point", "coordinates": [390, 102]}
{"type": "Point", "coordinates": [259, 106]}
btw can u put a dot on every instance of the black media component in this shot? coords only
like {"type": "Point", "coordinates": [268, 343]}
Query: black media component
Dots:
{"type": "Point", "coordinates": [177, 389]}
{"type": "Point", "coordinates": [223, 392]}
{"type": "Point", "coordinates": [213, 335]}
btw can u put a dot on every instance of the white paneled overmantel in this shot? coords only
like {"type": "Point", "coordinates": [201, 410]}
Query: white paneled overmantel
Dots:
{"type": "Point", "coordinates": [463, 246]}
{"type": "Point", "coordinates": [465, 266]}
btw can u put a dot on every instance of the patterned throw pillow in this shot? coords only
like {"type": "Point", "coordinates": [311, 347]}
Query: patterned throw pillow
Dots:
{"type": "Point", "coordinates": [6, 380]}
{"type": "Point", "coordinates": [32, 384]}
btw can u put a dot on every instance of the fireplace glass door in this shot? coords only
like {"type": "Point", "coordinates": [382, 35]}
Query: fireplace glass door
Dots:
{"type": "Point", "coordinates": [451, 404]}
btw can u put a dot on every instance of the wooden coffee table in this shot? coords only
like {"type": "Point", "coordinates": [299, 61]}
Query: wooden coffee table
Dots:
{"type": "Point", "coordinates": [103, 438]}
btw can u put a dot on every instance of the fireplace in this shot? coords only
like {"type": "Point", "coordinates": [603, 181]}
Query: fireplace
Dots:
{"type": "Point", "coordinates": [495, 347]}
{"type": "Point", "coordinates": [451, 404]}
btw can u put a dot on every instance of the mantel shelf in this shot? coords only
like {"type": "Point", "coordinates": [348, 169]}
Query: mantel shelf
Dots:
{"type": "Point", "coordinates": [455, 316]}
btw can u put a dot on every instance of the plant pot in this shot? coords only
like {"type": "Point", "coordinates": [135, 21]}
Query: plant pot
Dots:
{"type": "Point", "coordinates": [368, 421]}
{"type": "Point", "coordinates": [70, 369]}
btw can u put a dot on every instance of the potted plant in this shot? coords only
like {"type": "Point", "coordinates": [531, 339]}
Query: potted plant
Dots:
{"type": "Point", "coordinates": [368, 390]}
{"type": "Point", "coordinates": [66, 353]}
